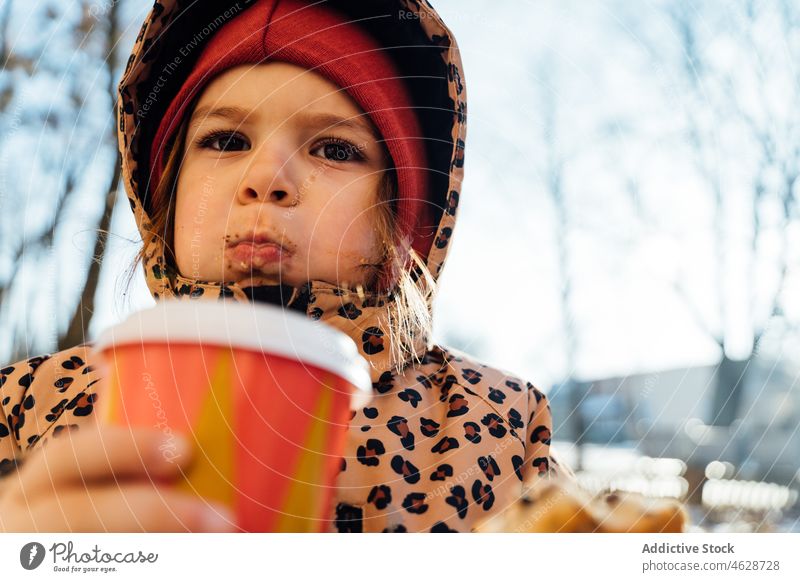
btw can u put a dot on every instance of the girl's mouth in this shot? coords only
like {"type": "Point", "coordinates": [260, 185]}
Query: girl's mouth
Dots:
{"type": "Point", "coordinates": [248, 255]}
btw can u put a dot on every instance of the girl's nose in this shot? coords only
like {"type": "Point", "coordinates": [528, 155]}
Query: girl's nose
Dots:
{"type": "Point", "coordinates": [266, 179]}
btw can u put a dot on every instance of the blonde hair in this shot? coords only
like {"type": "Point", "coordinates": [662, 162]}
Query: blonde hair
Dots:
{"type": "Point", "coordinates": [409, 314]}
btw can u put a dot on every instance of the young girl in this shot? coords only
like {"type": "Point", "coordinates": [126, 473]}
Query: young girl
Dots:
{"type": "Point", "coordinates": [309, 155]}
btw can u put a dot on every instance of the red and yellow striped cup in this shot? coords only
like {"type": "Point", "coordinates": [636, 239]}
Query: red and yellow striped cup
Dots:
{"type": "Point", "coordinates": [263, 393]}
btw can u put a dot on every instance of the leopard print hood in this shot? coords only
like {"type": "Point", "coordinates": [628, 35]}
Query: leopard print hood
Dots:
{"type": "Point", "coordinates": [163, 54]}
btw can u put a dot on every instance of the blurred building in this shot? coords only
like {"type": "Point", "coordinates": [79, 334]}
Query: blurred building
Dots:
{"type": "Point", "coordinates": [673, 414]}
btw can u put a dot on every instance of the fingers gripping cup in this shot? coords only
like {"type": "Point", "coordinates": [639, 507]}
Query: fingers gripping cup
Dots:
{"type": "Point", "coordinates": [263, 393]}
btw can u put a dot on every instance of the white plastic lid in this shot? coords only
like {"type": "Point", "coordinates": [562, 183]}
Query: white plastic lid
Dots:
{"type": "Point", "coordinates": [255, 326]}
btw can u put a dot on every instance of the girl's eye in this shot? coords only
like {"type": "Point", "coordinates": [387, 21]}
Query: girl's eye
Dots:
{"type": "Point", "coordinates": [224, 141]}
{"type": "Point", "coordinates": [338, 150]}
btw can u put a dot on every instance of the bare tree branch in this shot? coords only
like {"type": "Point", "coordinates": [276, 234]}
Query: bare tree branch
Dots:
{"type": "Point", "coordinates": [84, 310]}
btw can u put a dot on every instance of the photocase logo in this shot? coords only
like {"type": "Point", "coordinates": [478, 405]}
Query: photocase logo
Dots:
{"type": "Point", "coordinates": [31, 555]}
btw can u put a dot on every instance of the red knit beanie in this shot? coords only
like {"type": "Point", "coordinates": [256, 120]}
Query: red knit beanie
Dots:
{"type": "Point", "coordinates": [317, 37]}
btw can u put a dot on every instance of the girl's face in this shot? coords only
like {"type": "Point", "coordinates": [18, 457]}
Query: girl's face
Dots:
{"type": "Point", "coordinates": [279, 181]}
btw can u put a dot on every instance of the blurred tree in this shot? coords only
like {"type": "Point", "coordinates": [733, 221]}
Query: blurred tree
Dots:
{"type": "Point", "coordinates": [82, 314]}
{"type": "Point", "coordinates": [740, 87]}
{"type": "Point", "coordinates": [554, 165]}
{"type": "Point", "coordinates": [59, 168]}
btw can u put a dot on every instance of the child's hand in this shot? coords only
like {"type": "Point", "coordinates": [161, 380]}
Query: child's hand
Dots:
{"type": "Point", "coordinates": [105, 478]}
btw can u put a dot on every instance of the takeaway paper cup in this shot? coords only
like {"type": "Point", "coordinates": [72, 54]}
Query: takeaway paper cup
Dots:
{"type": "Point", "coordinates": [264, 393]}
